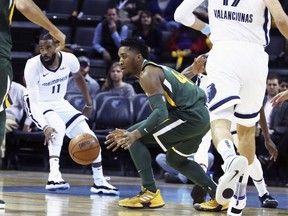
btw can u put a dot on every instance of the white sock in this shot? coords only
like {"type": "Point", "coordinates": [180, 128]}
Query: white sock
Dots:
{"type": "Point", "coordinates": [256, 174]}
{"type": "Point", "coordinates": [97, 169]}
{"type": "Point", "coordinates": [226, 149]}
{"type": "Point", "coordinates": [54, 165]}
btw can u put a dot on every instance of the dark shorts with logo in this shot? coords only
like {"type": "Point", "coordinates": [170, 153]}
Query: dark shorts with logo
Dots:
{"type": "Point", "coordinates": [184, 130]}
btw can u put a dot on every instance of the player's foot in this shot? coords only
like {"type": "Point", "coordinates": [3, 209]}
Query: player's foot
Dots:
{"type": "Point", "coordinates": [56, 182]}
{"type": "Point", "coordinates": [234, 167]}
{"type": "Point", "coordinates": [198, 194]}
{"type": "Point", "coordinates": [2, 204]}
{"type": "Point", "coordinates": [101, 186]}
{"type": "Point", "coordinates": [267, 201]}
{"type": "Point", "coordinates": [145, 199]}
{"type": "Point", "coordinates": [211, 206]}
{"type": "Point", "coordinates": [236, 206]}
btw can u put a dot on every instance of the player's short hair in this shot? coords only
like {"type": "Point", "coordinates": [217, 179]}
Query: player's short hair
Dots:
{"type": "Point", "coordinates": [137, 44]}
{"type": "Point", "coordinates": [45, 36]}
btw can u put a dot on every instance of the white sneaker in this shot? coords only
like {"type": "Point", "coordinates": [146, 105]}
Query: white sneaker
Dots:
{"type": "Point", "coordinates": [2, 204]}
{"type": "Point", "coordinates": [236, 206]}
{"type": "Point", "coordinates": [101, 186]}
{"type": "Point", "coordinates": [234, 167]}
{"type": "Point", "coordinates": [56, 182]}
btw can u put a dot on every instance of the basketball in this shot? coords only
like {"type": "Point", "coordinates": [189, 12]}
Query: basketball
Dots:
{"type": "Point", "coordinates": [84, 148]}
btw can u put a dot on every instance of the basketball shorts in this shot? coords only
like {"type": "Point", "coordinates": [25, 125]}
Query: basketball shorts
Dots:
{"type": "Point", "coordinates": [236, 77]}
{"type": "Point", "coordinates": [183, 131]}
{"type": "Point", "coordinates": [6, 76]}
{"type": "Point", "coordinates": [65, 111]}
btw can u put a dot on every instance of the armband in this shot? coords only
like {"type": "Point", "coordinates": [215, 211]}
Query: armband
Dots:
{"type": "Point", "coordinates": [206, 30]}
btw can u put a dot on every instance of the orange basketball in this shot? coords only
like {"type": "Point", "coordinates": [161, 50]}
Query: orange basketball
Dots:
{"type": "Point", "coordinates": [84, 148]}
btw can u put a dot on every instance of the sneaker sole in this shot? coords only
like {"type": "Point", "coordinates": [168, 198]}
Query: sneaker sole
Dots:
{"type": "Point", "coordinates": [103, 191]}
{"type": "Point", "coordinates": [58, 187]}
{"type": "Point", "coordinates": [270, 204]}
{"type": "Point", "coordinates": [145, 205]}
{"type": "Point", "coordinates": [227, 183]}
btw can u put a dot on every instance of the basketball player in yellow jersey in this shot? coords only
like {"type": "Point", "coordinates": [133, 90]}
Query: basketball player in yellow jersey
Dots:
{"type": "Point", "coordinates": [32, 12]}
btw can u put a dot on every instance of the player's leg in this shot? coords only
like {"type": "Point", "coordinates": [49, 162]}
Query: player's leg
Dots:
{"type": "Point", "coordinates": [234, 166]}
{"type": "Point", "coordinates": [100, 186]}
{"type": "Point", "coordinates": [205, 160]}
{"type": "Point", "coordinates": [169, 171]}
{"type": "Point", "coordinates": [6, 76]}
{"type": "Point", "coordinates": [247, 114]}
{"type": "Point", "coordinates": [149, 196]}
{"type": "Point", "coordinates": [55, 180]}
{"type": "Point", "coordinates": [256, 173]}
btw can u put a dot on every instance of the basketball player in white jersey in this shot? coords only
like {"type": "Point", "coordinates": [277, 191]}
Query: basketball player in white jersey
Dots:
{"type": "Point", "coordinates": [46, 77]}
{"type": "Point", "coordinates": [201, 156]}
{"type": "Point", "coordinates": [279, 15]}
{"type": "Point", "coordinates": [237, 66]}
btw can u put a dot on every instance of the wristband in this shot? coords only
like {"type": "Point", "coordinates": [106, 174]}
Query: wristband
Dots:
{"type": "Point", "coordinates": [45, 128]}
{"type": "Point", "coordinates": [206, 30]}
{"type": "Point", "coordinates": [88, 106]}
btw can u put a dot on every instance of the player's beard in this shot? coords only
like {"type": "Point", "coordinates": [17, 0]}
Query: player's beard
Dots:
{"type": "Point", "coordinates": [48, 63]}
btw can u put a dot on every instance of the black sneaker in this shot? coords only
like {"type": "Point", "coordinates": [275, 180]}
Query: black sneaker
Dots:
{"type": "Point", "coordinates": [267, 201]}
{"type": "Point", "coordinates": [198, 194]}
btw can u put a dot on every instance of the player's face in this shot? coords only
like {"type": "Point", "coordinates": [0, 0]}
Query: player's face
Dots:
{"type": "Point", "coordinates": [127, 60]}
{"type": "Point", "coordinates": [48, 51]}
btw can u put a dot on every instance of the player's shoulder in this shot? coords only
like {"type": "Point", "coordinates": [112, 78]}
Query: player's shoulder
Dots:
{"type": "Point", "coordinates": [34, 60]}
{"type": "Point", "coordinates": [68, 55]}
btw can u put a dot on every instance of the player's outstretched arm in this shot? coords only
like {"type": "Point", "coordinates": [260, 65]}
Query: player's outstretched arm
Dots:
{"type": "Point", "coordinates": [270, 146]}
{"type": "Point", "coordinates": [280, 98]}
{"type": "Point", "coordinates": [82, 85]}
{"type": "Point", "coordinates": [279, 15]}
{"type": "Point", "coordinates": [32, 12]}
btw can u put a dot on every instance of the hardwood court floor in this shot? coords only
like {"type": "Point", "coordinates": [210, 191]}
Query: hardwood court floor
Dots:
{"type": "Point", "coordinates": [25, 195]}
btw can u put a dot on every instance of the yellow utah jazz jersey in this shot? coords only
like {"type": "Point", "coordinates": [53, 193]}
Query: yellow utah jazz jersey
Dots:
{"type": "Point", "coordinates": [179, 91]}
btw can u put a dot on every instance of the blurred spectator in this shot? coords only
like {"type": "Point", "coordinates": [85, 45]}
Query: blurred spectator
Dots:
{"type": "Point", "coordinates": [15, 114]}
{"type": "Point", "coordinates": [115, 83]}
{"type": "Point", "coordinates": [108, 35]}
{"type": "Point", "coordinates": [152, 36]}
{"type": "Point", "coordinates": [129, 10]}
{"type": "Point", "coordinates": [173, 176]}
{"type": "Point", "coordinates": [92, 84]}
{"type": "Point", "coordinates": [283, 84]}
{"type": "Point", "coordinates": [185, 43]}
{"type": "Point", "coordinates": [163, 12]}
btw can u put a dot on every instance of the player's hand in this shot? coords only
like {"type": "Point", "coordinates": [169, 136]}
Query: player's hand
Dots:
{"type": "Point", "coordinates": [119, 138]}
{"type": "Point", "coordinates": [49, 133]}
{"type": "Point", "coordinates": [60, 38]}
{"type": "Point", "coordinates": [272, 149]}
{"type": "Point", "coordinates": [199, 64]}
{"type": "Point", "coordinates": [280, 98]}
{"type": "Point", "coordinates": [115, 139]}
